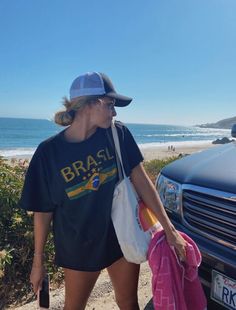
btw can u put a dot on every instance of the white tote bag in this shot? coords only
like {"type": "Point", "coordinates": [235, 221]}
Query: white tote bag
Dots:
{"type": "Point", "coordinates": [134, 223]}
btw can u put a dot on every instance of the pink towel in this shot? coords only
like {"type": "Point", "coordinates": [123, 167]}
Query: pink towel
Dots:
{"type": "Point", "coordinates": [175, 284]}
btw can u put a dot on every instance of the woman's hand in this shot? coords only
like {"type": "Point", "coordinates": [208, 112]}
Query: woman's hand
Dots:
{"type": "Point", "coordinates": [36, 276]}
{"type": "Point", "coordinates": [177, 241]}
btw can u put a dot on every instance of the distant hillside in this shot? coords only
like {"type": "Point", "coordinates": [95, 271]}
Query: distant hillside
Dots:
{"type": "Point", "coordinates": [226, 123]}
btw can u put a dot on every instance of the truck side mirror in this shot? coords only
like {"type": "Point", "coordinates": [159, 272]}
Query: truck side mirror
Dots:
{"type": "Point", "coordinates": [233, 131]}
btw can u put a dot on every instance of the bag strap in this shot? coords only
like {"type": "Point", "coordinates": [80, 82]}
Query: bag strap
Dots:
{"type": "Point", "coordinates": [117, 147]}
{"type": "Point", "coordinates": [112, 143]}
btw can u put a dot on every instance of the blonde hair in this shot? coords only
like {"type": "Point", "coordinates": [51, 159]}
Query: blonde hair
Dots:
{"type": "Point", "coordinates": [66, 117]}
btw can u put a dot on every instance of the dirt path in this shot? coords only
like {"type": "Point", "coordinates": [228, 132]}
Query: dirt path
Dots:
{"type": "Point", "coordinates": [102, 297]}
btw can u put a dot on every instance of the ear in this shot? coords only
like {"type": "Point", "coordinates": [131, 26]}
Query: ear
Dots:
{"type": "Point", "coordinates": [96, 103]}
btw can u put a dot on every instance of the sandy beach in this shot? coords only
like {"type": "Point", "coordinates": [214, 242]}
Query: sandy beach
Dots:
{"type": "Point", "coordinates": [150, 152]}
{"type": "Point", "coordinates": [161, 152]}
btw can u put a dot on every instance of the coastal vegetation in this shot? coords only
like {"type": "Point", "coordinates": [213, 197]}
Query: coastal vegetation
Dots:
{"type": "Point", "coordinates": [16, 234]}
{"type": "Point", "coordinates": [16, 238]}
{"type": "Point", "coordinates": [154, 166]}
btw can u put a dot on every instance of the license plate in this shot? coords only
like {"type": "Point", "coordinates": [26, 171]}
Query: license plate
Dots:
{"type": "Point", "coordinates": [223, 290]}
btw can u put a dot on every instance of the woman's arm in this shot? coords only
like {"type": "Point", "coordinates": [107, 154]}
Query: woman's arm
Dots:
{"type": "Point", "coordinates": [42, 223]}
{"type": "Point", "coordinates": [147, 192]}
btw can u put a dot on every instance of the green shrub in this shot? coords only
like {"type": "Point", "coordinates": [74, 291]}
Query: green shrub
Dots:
{"type": "Point", "coordinates": [16, 239]}
{"type": "Point", "coordinates": [154, 166]}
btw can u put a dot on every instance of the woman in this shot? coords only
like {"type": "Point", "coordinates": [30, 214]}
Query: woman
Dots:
{"type": "Point", "coordinates": [71, 180]}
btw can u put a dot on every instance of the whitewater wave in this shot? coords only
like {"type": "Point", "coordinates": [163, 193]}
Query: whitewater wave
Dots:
{"type": "Point", "coordinates": [199, 134]}
{"type": "Point", "coordinates": [17, 152]}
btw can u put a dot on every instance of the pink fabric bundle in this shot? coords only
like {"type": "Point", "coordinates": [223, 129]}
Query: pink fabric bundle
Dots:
{"type": "Point", "coordinates": [175, 284]}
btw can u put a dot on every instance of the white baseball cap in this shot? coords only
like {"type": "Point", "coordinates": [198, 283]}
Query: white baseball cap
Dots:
{"type": "Point", "coordinates": [97, 84]}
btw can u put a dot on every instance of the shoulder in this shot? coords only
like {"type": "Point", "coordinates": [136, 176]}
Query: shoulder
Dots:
{"type": "Point", "coordinates": [122, 129]}
{"type": "Point", "coordinates": [120, 125]}
{"type": "Point", "coordinates": [47, 144]}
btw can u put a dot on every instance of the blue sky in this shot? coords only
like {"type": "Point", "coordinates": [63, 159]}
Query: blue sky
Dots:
{"type": "Point", "coordinates": [176, 58]}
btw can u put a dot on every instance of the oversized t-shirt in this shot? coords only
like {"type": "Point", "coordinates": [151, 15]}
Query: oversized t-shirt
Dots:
{"type": "Point", "coordinates": [76, 182]}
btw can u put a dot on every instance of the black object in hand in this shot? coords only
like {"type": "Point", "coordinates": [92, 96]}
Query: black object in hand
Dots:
{"type": "Point", "coordinates": [43, 294]}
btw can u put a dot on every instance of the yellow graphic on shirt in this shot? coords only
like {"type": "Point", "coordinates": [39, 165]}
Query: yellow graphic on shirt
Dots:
{"type": "Point", "coordinates": [84, 167]}
{"type": "Point", "coordinates": [93, 183]}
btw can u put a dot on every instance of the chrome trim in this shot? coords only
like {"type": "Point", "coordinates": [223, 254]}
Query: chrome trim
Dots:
{"type": "Point", "coordinates": [213, 256]}
{"type": "Point", "coordinates": [233, 198]}
{"type": "Point", "coordinates": [211, 192]}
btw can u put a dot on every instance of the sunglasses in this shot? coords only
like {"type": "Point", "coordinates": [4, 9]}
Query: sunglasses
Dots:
{"type": "Point", "coordinates": [109, 105]}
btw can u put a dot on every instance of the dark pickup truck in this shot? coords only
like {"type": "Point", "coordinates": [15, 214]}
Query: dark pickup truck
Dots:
{"type": "Point", "coordinates": [199, 195]}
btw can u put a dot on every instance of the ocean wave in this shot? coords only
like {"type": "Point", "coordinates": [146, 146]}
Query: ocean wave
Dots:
{"type": "Point", "coordinates": [17, 152]}
{"type": "Point", "coordinates": [197, 134]}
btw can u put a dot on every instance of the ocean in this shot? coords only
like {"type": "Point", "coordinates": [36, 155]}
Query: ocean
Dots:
{"type": "Point", "coordinates": [19, 137]}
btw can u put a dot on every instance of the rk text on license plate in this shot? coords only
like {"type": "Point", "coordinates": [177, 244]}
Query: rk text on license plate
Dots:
{"type": "Point", "coordinates": [223, 290]}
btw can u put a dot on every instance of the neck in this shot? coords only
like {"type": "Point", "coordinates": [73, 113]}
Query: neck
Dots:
{"type": "Point", "coordinates": [80, 130]}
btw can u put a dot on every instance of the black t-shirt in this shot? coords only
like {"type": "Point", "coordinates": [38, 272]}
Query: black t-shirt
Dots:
{"type": "Point", "coordinates": [76, 182]}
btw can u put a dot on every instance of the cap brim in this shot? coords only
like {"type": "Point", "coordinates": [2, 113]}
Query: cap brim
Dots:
{"type": "Point", "coordinates": [121, 101]}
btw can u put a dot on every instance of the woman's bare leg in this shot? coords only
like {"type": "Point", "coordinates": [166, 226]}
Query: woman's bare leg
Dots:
{"type": "Point", "coordinates": [124, 277]}
{"type": "Point", "coordinates": [78, 286]}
